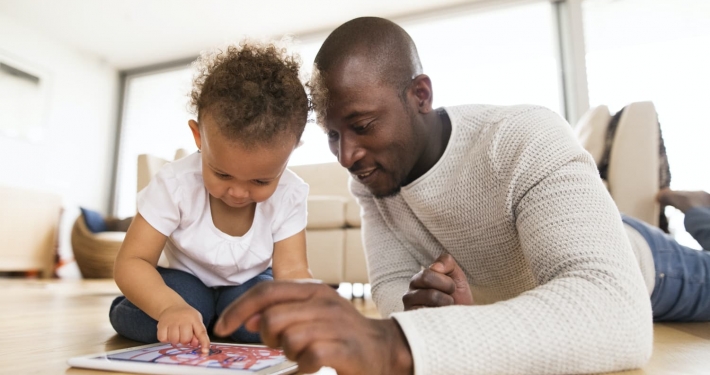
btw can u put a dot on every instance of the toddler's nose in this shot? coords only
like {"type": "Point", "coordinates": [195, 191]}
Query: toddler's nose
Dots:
{"type": "Point", "coordinates": [238, 193]}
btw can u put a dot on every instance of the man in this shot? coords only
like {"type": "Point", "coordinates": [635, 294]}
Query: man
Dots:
{"type": "Point", "coordinates": [503, 198]}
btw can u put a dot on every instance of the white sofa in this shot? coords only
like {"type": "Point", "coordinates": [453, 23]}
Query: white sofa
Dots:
{"type": "Point", "coordinates": [335, 252]}
{"type": "Point", "coordinates": [29, 221]}
{"type": "Point", "coordinates": [633, 174]}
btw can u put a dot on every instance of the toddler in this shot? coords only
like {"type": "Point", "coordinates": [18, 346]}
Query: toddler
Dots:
{"type": "Point", "coordinates": [228, 216]}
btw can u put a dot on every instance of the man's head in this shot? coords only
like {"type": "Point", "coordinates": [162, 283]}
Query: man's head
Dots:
{"type": "Point", "coordinates": [370, 95]}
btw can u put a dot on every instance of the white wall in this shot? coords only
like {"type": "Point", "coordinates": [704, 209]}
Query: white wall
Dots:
{"type": "Point", "coordinates": [74, 156]}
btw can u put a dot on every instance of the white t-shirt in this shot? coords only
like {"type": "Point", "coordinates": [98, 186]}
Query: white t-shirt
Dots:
{"type": "Point", "coordinates": [176, 204]}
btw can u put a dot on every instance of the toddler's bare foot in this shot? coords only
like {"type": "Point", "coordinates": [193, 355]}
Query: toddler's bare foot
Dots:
{"type": "Point", "coordinates": [683, 200]}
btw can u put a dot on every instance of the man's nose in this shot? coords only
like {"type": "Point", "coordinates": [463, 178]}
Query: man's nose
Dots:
{"type": "Point", "coordinates": [349, 152]}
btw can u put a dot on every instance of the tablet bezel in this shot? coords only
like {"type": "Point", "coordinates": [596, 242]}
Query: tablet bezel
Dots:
{"type": "Point", "coordinates": [99, 361]}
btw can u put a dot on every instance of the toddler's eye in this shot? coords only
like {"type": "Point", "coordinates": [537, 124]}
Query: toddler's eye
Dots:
{"type": "Point", "coordinates": [222, 175]}
{"type": "Point", "coordinates": [261, 183]}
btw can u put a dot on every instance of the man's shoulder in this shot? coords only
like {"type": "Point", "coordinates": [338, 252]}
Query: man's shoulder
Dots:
{"type": "Point", "coordinates": [491, 114]}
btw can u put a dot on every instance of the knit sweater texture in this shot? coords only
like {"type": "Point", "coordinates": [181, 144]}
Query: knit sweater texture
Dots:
{"type": "Point", "coordinates": [519, 204]}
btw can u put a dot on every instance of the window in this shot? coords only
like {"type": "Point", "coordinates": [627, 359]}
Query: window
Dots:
{"type": "Point", "coordinates": [503, 56]}
{"type": "Point", "coordinates": [656, 50]}
{"type": "Point", "coordinates": [154, 122]}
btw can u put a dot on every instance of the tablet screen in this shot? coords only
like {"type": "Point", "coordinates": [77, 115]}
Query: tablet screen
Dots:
{"type": "Point", "coordinates": [249, 358]}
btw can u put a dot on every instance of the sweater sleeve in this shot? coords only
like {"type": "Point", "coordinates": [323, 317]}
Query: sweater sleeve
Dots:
{"type": "Point", "coordinates": [590, 311]}
{"type": "Point", "coordinates": [390, 262]}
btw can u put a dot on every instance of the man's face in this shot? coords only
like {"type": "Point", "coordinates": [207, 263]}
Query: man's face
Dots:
{"type": "Point", "coordinates": [376, 136]}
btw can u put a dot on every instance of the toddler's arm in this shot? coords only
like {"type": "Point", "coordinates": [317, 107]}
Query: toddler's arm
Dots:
{"type": "Point", "coordinates": [140, 282]}
{"type": "Point", "coordinates": [290, 261]}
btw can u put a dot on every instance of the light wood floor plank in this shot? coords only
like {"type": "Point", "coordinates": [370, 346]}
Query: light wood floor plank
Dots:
{"type": "Point", "coordinates": [43, 323]}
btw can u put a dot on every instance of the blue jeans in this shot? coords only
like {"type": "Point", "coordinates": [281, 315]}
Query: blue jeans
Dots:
{"type": "Point", "coordinates": [682, 290]}
{"type": "Point", "coordinates": [697, 223]}
{"type": "Point", "coordinates": [131, 322]}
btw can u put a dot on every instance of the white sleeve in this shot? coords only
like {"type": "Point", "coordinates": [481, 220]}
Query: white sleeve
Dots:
{"type": "Point", "coordinates": [590, 313]}
{"type": "Point", "coordinates": [158, 202]}
{"type": "Point", "coordinates": [293, 212]}
{"type": "Point", "coordinates": [390, 262]}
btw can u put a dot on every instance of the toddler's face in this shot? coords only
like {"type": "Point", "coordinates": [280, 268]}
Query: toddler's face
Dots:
{"type": "Point", "coordinates": [237, 175]}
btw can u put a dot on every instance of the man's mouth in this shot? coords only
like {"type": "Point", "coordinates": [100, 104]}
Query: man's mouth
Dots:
{"type": "Point", "coordinates": [365, 174]}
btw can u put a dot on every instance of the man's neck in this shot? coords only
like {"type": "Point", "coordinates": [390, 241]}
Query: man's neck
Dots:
{"type": "Point", "coordinates": [438, 124]}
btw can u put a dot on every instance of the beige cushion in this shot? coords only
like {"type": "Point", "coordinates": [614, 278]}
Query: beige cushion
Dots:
{"type": "Point", "coordinates": [352, 213]}
{"type": "Point", "coordinates": [355, 263]}
{"type": "Point", "coordinates": [110, 236]}
{"type": "Point", "coordinates": [326, 212]}
{"type": "Point", "coordinates": [148, 166]}
{"type": "Point", "coordinates": [633, 163]}
{"type": "Point", "coordinates": [28, 229]}
{"type": "Point", "coordinates": [591, 131]}
{"type": "Point", "coordinates": [324, 179]}
{"type": "Point", "coordinates": [325, 254]}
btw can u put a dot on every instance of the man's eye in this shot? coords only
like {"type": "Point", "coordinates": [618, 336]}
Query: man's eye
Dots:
{"type": "Point", "coordinates": [362, 127]}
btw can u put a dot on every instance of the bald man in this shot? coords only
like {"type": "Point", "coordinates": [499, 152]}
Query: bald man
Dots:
{"type": "Point", "coordinates": [500, 205]}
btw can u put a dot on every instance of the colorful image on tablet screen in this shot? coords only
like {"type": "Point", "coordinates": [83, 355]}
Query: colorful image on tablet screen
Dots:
{"type": "Point", "coordinates": [221, 356]}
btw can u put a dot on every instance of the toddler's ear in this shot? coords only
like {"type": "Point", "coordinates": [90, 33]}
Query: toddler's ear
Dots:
{"type": "Point", "coordinates": [195, 128]}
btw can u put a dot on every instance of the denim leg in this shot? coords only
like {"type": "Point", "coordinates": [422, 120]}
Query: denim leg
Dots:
{"type": "Point", "coordinates": [682, 290]}
{"type": "Point", "coordinates": [697, 223]}
{"type": "Point", "coordinates": [228, 294]}
{"type": "Point", "coordinates": [129, 321]}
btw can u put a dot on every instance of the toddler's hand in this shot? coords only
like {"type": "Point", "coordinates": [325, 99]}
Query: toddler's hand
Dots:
{"type": "Point", "coordinates": [182, 324]}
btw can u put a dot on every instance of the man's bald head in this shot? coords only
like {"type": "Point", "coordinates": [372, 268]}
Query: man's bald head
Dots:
{"type": "Point", "coordinates": [388, 50]}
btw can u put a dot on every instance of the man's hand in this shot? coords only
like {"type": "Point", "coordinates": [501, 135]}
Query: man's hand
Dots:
{"type": "Point", "coordinates": [316, 327]}
{"type": "Point", "coordinates": [442, 284]}
{"type": "Point", "coordinates": [182, 324]}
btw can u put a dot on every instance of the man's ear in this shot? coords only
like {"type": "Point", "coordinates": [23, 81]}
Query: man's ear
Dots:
{"type": "Point", "coordinates": [423, 93]}
{"type": "Point", "coordinates": [195, 128]}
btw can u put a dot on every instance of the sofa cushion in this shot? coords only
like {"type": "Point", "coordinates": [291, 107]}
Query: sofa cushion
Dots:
{"type": "Point", "coordinates": [110, 236]}
{"type": "Point", "coordinates": [326, 212]}
{"type": "Point", "coordinates": [94, 221]}
{"type": "Point", "coordinates": [591, 131]}
{"type": "Point", "coordinates": [352, 213]}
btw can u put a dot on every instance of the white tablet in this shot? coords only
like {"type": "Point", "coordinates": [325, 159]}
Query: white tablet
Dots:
{"type": "Point", "coordinates": [226, 359]}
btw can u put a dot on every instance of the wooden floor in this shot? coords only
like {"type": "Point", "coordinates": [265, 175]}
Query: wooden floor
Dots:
{"type": "Point", "coordinates": [43, 323]}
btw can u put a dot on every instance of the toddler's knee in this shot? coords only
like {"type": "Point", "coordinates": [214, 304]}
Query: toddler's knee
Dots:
{"type": "Point", "coordinates": [132, 323]}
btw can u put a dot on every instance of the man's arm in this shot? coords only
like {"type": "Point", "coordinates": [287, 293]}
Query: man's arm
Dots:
{"type": "Point", "coordinates": [316, 327]}
{"type": "Point", "coordinates": [390, 263]}
{"type": "Point", "coordinates": [590, 313]}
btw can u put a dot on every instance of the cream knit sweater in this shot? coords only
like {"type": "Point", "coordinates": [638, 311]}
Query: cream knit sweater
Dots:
{"type": "Point", "coordinates": [520, 206]}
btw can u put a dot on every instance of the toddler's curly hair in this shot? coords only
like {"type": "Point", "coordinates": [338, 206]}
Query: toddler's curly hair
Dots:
{"type": "Point", "coordinates": [252, 91]}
